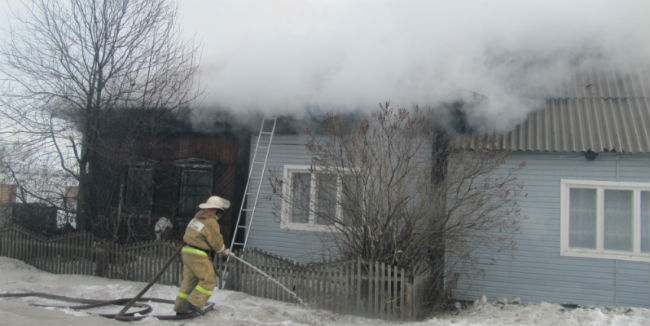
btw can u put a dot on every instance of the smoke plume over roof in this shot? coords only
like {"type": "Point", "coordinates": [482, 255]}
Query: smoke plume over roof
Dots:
{"type": "Point", "coordinates": [288, 55]}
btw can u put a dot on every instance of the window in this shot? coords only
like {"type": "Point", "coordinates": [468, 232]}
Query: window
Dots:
{"type": "Point", "coordinates": [310, 196]}
{"type": "Point", "coordinates": [139, 192]}
{"type": "Point", "coordinates": [196, 187]}
{"type": "Point", "coordinates": [605, 219]}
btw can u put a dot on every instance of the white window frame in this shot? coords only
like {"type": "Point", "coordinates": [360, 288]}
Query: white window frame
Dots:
{"type": "Point", "coordinates": [286, 222]}
{"type": "Point", "coordinates": [600, 252]}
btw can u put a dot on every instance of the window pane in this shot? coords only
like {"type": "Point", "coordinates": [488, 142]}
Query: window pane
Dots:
{"type": "Point", "coordinates": [326, 198]}
{"type": "Point", "coordinates": [582, 218]}
{"type": "Point", "coordinates": [645, 221]}
{"type": "Point", "coordinates": [618, 220]}
{"type": "Point", "coordinates": [301, 189]}
{"type": "Point", "coordinates": [196, 187]}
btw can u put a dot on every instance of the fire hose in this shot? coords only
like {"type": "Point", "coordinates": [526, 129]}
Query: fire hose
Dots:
{"type": "Point", "coordinates": [92, 303]}
{"type": "Point", "coordinates": [124, 315]}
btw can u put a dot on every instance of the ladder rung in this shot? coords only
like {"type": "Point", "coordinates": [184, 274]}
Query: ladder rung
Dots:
{"type": "Point", "coordinates": [238, 243]}
{"type": "Point", "coordinates": [259, 162]}
{"type": "Point", "coordinates": [266, 132]}
{"type": "Point", "coordinates": [247, 209]}
{"type": "Point", "coordinates": [242, 226]}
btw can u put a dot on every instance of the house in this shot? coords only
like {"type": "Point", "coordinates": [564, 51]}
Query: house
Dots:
{"type": "Point", "coordinates": [39, 218]}
{"type": "Point", "coordinates": [584, 235]}
{"type": "Point", "coordinates": [156, 165]}
{"type": "Point", "coordinates": [585, 238]}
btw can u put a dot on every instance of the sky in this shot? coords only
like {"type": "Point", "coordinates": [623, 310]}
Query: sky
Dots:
{"type": "Point", "coordinates": [236, 308]}
{"type": "Point", "coordinates": [290, 56]}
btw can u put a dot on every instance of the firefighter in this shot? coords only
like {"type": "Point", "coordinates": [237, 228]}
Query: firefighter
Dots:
{"type": "Point", "coordinates": [202, 238]}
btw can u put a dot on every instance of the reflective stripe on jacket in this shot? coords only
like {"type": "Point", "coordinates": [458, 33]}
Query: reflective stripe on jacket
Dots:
{"type": "Point", "coordinates": [195, 251]}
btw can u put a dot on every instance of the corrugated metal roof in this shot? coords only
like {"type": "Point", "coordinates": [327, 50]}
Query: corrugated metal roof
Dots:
{"type": "Point", "coordinates": [597, 111]}
{"type": "Point", "coordinates": [603, 83]}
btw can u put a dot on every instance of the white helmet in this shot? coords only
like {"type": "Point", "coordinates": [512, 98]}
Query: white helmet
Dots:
{"type": "Point", "coordinates": [215, 202]}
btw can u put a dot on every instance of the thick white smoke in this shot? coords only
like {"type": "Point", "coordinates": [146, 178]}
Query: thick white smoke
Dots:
{"type": "Point", "coordinates": [286, 55]}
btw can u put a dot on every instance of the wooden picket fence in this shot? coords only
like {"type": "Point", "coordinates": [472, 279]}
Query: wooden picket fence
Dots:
{"type": "Point", "coordinates": [83, 253]}
{"type": "Point", "coordinates": [352, 286]}
{"type": "Point", "coordinates": [349, 286]}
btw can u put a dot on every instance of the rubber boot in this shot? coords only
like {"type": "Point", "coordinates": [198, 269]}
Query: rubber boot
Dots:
{"type": "Point", "coordinates": [194, 309]}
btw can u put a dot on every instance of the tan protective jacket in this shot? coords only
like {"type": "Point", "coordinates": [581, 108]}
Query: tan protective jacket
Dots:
{"type": "Point", "coordinates": [203, 232]}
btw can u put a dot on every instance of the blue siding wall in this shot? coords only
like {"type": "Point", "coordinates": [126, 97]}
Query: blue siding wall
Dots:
{"type": "Point", "coordinates": [266, 234]}
{"type": "Point", "coordinates": [535, 270]}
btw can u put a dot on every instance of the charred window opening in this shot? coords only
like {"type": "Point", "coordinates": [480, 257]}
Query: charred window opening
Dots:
{"type": "Point", "coordinates": [194, 180]}
{"type": "Point", "coordinates": [139, 192]}
{"type": "Point", "coordinates": [196, 187]}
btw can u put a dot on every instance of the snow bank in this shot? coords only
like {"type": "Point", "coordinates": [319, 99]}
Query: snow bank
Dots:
{"type": "Point", "coordinates": [235, 308]}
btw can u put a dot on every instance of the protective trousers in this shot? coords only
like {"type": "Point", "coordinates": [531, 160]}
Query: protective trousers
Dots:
{"type": "Point", "coordinates": [198, 281]}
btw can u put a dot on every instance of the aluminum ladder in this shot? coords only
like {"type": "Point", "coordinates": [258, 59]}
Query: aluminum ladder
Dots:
{"type": "Point", "coordinates": [252, 189]}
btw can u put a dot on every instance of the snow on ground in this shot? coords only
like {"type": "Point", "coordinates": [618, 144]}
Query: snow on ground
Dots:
{"type": "Point", "coordinates": [235, 308]}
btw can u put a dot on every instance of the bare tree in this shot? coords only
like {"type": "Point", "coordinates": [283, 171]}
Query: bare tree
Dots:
{"type": "Point", "coordinates": [397, 188]}
{"type": "Point", "coordinates": [69, 63]}
{"type": "Point", "coordinates": [35, 163]}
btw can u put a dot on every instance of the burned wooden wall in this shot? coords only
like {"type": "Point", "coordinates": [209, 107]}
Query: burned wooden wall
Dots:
{"type": "Point", "coordinates": [169, 163]}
